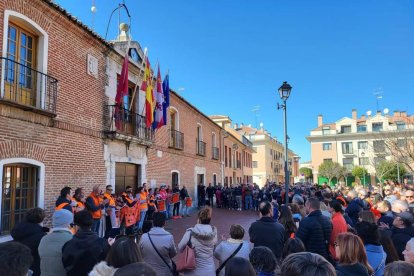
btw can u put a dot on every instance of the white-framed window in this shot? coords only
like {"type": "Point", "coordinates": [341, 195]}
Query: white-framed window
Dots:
{"type": "Point", "coordinates": [347, 148]}
{"type": "Point", "coordinates": [363, 145]}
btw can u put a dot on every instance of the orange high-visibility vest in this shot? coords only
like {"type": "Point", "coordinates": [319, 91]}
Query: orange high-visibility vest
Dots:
{"type": "Point", "coordinates": [63, 205]}
{"type": "Point", "coordinates": [143, 196]}
{"type": "Point", "coordinates": [161, 205]}
{"type": "Point", "coordinates": [175, 198]}
{"type": "Point", "coordinates": [126, 198]}
{"type": "Point", "coordinates": [111, 199]}
{"type": "Point", "coordinates": [97, 202]}
{"type": "Point", "coordinates": [188, 202]}
{"type": "Point", "coordinates": [151, 201]}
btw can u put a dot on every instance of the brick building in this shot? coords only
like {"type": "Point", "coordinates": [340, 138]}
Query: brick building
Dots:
{"type": "Point", "coordinates": [187, 150]}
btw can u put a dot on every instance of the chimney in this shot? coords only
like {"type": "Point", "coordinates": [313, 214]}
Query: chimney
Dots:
{"type": "Point", "coordinates": [403, 114]}
{"type": "Point", "coordinates": [397, 113]}
{"type": "Point", "coordinates": [235, 126]}
{"type": "Point", "coordinates": [379, 112]}
{"type": "Point", "coordinates": [320, 120]}
{"type": "Point", "coordinates": [354, 114]}
{"type": "Point", "coordinates": [363, 118]}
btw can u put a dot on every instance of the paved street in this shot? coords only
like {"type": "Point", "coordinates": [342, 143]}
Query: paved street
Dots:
{"type": "Point", "coordinates": [222, 219]}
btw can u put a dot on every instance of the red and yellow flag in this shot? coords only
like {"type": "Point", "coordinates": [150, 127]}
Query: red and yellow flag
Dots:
{"type": "Point", "coordinates": [149, 96]}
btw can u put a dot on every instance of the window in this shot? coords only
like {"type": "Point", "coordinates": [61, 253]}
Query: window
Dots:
{"type": "Point", "coordinates": [400, 125]}
{"type": "Point", "coordinates": [346, 129]}
{"type": "Point", "coordinates": [21, 85]}
{"type": "Point", "coordinates": [363, 161]}
{"type": "Point", "coordinates": [255, 164]}
{"type": "Point", "coordinates": [326, 130]}
{"type": "Point", "coordinates": [376, 127]}
{"type": "Point", "coordinates": [230, 157]}
{"type": "Point", "coordinates": [347, 148]}
{"type": "Point", "coordinates": [378, 160]}
{"type": "Point", "coordinates": [348, 163]}
{"type": "Point", "coordinates": [19, 191]}
{"type": "Point", "coordinates": [327, 146]}
{"type": "Point", "coordinates": [379, 146]}
{"type": "Point", "coordinates": [327, 160]}
{"type": "Point", "coordinates": [361, 128]}
{"type": "Point", "coordinates": [363, 145]}
{"type": "Point", "coordinates": [225, 156]}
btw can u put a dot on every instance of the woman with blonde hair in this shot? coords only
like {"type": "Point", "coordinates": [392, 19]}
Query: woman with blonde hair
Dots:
{"type": "Point", "coordinates": [203, 237]}
{"type": "Point", "coordinates": [352, 259]}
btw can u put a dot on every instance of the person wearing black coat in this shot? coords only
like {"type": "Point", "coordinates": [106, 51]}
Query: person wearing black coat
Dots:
{"type": "Point", "coordinates": [355, 206]}
{"type": "Point", "coordinates": [266, 231]}
{"type": "Point", "coordinates": [29, 232]}
{"type": "Point", "coordinates": [315, 230]}
{"type": "Point", "coordinates": [85, 249]}
{"type": "Point", "coordinates": [401, 232]}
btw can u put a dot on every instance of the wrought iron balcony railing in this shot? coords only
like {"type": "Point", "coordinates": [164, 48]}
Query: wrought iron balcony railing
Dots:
{"type": "Point", "coordinates": [124, 122]}
{"type": "Point", "coordinates": [201, 148]}
{"type": "Point", "coordinates": [27, 87]}
{"type": "Point", "coordinates": [176, 139]}
{"type": "Point", "coordinates": [216, 153]}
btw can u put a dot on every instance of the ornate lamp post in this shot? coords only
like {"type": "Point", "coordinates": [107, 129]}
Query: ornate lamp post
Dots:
{"type": "Point", "coordinates": [284, 92]}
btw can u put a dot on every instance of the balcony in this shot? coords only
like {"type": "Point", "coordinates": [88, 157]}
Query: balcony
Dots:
{"type": "Point", "coordinates": [125, 125]}
{"type": "Point", "coordinates": [200, 148]}
{"type": "Point", "coordinates": [27, 88]}
{"type": "Point", "coordinates": [215, 153]}
{"type": "Point", "coordinates": [176, 140]}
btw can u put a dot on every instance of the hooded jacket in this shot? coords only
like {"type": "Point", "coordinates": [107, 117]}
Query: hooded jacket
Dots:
{"type": "Point", "coordinates": [203, 239]}
{"type": "Point", "coordinates": [83, 252]}
{"type": "Point", "coordinates": [102, 269]}
{"type": "Point", "coordinates": [30, 235]}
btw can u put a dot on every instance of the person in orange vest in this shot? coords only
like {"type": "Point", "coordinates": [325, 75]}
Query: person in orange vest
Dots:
{"type": "Point", "coordinates": [142, 196]}
{"type": "Point", "coordinates": [128, 198]}
{"type": "Point", "coordinates": [79, 198]}
{"type": "Point", "coordinates": [95, 204]}
{"type": "Point", "coordinates": [64, 201]}
{"type": "Point", "coordinates": [151, 204]}
{"type": "Point", "coordinates": [110, 207]}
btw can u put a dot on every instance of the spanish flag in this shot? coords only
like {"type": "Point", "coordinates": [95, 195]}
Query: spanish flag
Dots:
{"type": "Point", "coordinates": [149, 96]}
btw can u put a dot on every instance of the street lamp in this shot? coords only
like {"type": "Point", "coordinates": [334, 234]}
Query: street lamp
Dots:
{"type": "Point", "coordinates": [363, 166]}
{"type": "Point", "coordinates": [284, 92]}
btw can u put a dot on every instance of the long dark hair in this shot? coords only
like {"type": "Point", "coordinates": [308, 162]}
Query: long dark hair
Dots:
{"type": "Point", "coordinates": [286, 219]}
{"type": "Point", "coordinates": [389, 248]}
{"type": "Point", "coordinates": [124, 251]}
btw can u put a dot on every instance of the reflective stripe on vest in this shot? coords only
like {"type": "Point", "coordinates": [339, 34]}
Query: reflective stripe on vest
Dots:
{"type": "Point", "coordinates": [96, 214]}
{"type": "Point", "coordinates": [61, 206]}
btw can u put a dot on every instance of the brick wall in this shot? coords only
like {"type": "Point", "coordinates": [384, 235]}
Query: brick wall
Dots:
{"type": "Point", "coordinates": [70, 145]}
{"type": "Point", "coordinates": [186, 162]}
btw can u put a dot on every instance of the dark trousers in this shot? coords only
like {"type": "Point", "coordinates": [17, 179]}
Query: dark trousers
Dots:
{"type": "Point", "coordinates": [210, 199]}
{"type": "Point", "coordinates": [108, 228]}
{"type": "Point", "coordinates": [176, 209]}
{"type": "Point", "coordinates": [95, 225]}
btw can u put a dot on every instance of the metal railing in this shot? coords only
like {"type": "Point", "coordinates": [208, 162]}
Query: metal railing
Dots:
{"type": "Point", "coordinates": [176, 139]}
{"type": "Point", "coordinates": [125, 122]}
{"type": "Point", "coordinates": [215, 153]}
{"type": "Point", "coordinates": [200, 148]}
{"type": "Point", "coordinates": [26, 86]}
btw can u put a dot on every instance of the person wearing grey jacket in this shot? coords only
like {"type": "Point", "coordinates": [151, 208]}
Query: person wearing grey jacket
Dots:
{"type": "Point", "coordinates": [228, 247]}
{"type": "Point", "coordinates": [50, 247]}
{"type": "Point", "coordinates": [164, 244]}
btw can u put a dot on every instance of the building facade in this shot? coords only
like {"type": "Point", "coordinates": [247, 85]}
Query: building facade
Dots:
{"type": "Point", "coordinates": [359, 141]}
{"type": "Point", "coordinates": [237, 153]}
{"type": "Point", "coordinates": [186, 151]}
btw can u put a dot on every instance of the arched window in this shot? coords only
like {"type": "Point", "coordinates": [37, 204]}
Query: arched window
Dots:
{"type": "Point", "coordinates": [175, 179]}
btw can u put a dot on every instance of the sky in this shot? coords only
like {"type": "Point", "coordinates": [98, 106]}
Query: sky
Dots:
{"type": "Point", "coordinates": [229, 57]}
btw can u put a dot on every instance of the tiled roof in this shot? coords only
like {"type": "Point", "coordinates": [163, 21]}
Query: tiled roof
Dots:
{"type": "Point", "coordinates": [332, 126]}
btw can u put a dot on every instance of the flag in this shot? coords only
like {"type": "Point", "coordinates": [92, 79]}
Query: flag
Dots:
{"type": "Point", "coordinates": [149, 97]}
{"type": "Point", "coordinates": [159, 100]}
{"type": "Point", "coordinates": [121, 92]}
{"type": "Point", "coordinates": [166, 103]}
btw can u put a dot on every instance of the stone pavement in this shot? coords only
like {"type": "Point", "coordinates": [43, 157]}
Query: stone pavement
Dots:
{"type": "Point", "coordinates": [221, 218]}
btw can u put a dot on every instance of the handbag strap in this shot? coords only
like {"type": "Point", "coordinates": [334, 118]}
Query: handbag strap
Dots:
{"type": "Point", "coordinates": [231, 256]}
{"type": "Point", "coordinates": [156, 250]}
{"type": "Point", "coordinates": [384, 257]}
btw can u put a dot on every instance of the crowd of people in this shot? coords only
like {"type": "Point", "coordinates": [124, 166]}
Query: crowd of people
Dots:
{"type": "Point", "coordinates": [320, 231]}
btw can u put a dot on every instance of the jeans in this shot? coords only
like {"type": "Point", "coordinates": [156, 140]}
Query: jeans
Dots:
{"type": "Point", "coordinates": [95, 225]}
{"type": "Point", "coordinates": [169, 210]}
{"type": "Point", "coordinates": [248, 202]}
{"type": "Point", "coordinates": [176, 209]}
{"type": "Point", "coordinates": [184, 208]}
{"type": "Point", "coordinates": [141, 219]}
{"type": "Point", "coordinates": [239, 201]}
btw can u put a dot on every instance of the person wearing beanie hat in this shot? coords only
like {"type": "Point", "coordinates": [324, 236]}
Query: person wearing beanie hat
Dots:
{"type": "Point", "coordinates": [50, 247]}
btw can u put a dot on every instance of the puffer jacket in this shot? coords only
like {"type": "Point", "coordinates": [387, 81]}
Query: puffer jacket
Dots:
{"type": "Point", "coordinates": [315, 232]}
{"type": "Point", "coordinates": [102, 269]}
{"type": "Point", "coordinates": [203, 239]}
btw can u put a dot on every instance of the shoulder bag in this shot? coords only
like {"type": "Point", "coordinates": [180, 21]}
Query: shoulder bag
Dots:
{"type": "Point", "coordinates": [231, 256]}
{"type": "Point", "coordinates": [186, 259]}
{"type": "Point", "coordinates": [173, 269]}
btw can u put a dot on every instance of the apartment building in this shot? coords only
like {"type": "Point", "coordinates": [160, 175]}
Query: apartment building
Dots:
{"type": "Point", "coordinates": [358, 141]}
{"type": "Point", "coordinates": [237, 153]}
{"type": "Point", "coordinates": [268, 157]}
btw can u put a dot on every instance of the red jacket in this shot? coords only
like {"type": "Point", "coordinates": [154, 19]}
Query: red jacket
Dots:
{"type": "Point", "coordinates": [338, 226]}
{"type": "Point", "coordinates": [130, 214]}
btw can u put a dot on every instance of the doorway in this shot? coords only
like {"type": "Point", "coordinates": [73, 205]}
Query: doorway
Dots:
{"type": "Point", "coordinates": [127, 174]}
